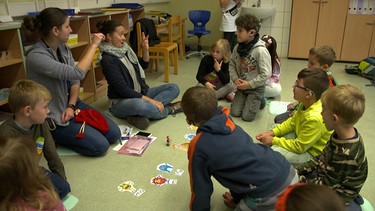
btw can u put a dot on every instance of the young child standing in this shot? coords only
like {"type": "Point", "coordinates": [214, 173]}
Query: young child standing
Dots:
{"type": "Point", "coordinates": [343, 164]}
{"type": "Point", "coordinates": [273, 86]}
{"type": "Point", "coordinates": [23, 185]}
{"type": "Point", "coordinates": [319, 57]}
{"type": "Point", "coordinates": [249, 68]}
{"type": "Point", "coordinates": [229, 13]}
{"type": "Point", "coordinates": [307, 123]}
{"type": "Point", "coordinates": [254, 173]}
{"type": "Point", "coordinates": [29, 102]}
{"type": "Point", "coordinates": [213, 71]}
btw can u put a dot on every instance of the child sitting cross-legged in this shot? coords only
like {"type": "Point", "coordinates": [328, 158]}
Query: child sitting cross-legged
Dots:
{"type": "Point", "coordinates": [213, 71]}
{"type": "Point", "coordinates": [307, 123]}
{"type": "Point", "coordinates": [342, 165]}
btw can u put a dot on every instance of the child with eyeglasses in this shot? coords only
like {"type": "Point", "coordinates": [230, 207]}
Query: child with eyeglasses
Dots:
{"type": "Point", "coordinates": [319, 57]}
{"type": "Point", "coordinates": [307, 123]}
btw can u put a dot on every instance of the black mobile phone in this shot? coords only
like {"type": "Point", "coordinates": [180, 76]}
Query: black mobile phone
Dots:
{"type": "Point", "coordinates": [142, 133]}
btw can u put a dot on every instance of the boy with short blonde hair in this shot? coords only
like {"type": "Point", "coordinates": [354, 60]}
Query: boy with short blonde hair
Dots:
{"type": "Point", "coordinates": [342, 164]}
{"type": "Point", "coordinates": [29, 101]}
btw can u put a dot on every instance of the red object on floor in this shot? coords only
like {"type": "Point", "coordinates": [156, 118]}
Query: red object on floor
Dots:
{"type": "Point", "coordinates": [94, 119]}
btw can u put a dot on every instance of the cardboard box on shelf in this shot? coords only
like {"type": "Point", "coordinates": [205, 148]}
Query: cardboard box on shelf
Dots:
{"type": "Point", "coordinates": [73, 39]}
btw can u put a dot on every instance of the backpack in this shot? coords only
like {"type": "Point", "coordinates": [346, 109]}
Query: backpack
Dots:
{"type": "Point", "coordinates": [365, 68]}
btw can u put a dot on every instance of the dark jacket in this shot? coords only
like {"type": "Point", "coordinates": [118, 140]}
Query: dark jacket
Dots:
{"type": "Point", "coordinates": [120, 83]}
{"type": "Point", "coordinates": [225, 151]}
{"type": "Point", "coordinates": [207, 66]}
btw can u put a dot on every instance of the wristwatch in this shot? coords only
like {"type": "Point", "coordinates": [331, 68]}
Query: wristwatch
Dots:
{"type": "Point", "coordinates": [72, 106]}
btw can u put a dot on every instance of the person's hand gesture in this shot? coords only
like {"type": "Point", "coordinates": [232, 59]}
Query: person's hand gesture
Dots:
{"type": "Point", "coordinates": [145, 44]}
{"type": "Point", "coordinates": [292, 106]}
{"type": "Point", "coordinates": [242, 84]}
{"type": "Point", "coordinates": [265, 138]}
{"type": "Point", "coordinates": [217, 65]}
{"type": "Point", "coordinates": [67, 115]}
{"type": "Point", "coordinates": [209, 85]}
{"type": "Point", "coordinates": [97, 38]}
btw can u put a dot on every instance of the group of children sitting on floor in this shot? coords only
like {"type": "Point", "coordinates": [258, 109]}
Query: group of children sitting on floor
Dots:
{"type": "Point", "coordinates": [316, 142]}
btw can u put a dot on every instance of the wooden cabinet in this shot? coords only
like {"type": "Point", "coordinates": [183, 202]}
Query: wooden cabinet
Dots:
{"type": "Point", "coordinates": [359, 38]}
{"type": "Point", "coordinates": [137, 14]}
{"type": "Point", "coordinates": [79, 25]}
{"type": "Point", "coordinates": [316, 22]}
{"type": "Point", "coordinates": [12, 66]}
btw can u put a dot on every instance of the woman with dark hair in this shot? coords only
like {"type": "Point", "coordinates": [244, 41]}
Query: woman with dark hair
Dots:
{"type": "Point", "coordinates": [50, 62]}
{"type": "Point", "coordinates": [129, 96]}
{"type": "Point", "coordinates": [273, 86]}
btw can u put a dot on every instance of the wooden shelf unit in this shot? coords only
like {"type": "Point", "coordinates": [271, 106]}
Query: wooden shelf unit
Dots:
{"type": "Point", "coordinates": [94, 84]}
{"type": "Point", "coordinates": [11, 69]}
{"type": "Point", "coordinates": [79, 25]}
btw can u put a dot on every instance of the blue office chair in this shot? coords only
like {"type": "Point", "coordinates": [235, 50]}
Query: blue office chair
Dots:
{"type": "Point", "coordinates": [199, 18]}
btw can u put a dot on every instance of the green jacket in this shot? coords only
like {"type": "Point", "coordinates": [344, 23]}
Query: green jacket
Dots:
{"type": "Point", "coordinates": [311, 133]}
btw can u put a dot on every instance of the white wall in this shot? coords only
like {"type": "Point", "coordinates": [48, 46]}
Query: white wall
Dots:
{"type": "Point", "coordinates": [21, 7]}
{"type": "Point", "coordinates": [278, 26]}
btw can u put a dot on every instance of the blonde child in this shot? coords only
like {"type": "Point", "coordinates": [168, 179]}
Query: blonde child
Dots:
{"type": "Point", "coordinates": [342, 165]}
{"type": "Point", "coordinates": [23, 184]}
{"type": "Point", "coordinates": [29, 102]}
{"type": "Point", "coordinates": [213, 71]}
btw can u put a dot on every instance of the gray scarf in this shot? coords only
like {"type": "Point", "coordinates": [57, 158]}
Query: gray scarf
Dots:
{"type": "Point", "coordinates": [120, 53]}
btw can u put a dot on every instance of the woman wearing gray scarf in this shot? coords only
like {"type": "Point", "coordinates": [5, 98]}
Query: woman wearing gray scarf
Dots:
{"type": "Point", "coordinates": [129, 96]}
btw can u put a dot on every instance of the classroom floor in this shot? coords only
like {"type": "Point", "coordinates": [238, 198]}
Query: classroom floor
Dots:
{"type": "Point", "coordinates": [94, 181]}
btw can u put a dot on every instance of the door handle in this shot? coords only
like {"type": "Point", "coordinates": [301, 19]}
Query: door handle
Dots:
{"type": "Point", "coordinates": [315, 2]}
{"type": "Point", "coordinates": [324, 2]}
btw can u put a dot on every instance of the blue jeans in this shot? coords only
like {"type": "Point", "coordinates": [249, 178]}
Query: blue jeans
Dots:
{"type": "Point", "coordinates": [139, 107]}
{"type": "Point", "coordinates": [94, 142]}
{"type": "Point", "coordinates": [61, 186]}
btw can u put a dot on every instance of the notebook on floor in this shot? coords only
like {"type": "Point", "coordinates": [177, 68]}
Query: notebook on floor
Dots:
{"type": "Point", "coordinates": [69, 201]}
{"type": "Point", "coordinates": [277, 107]}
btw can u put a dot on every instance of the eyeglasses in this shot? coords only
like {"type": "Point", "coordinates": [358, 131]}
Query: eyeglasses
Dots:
{"type": "Point", "coordinates": [302, 87]}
